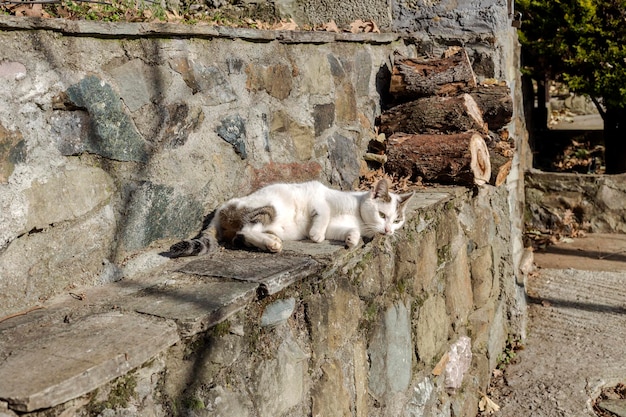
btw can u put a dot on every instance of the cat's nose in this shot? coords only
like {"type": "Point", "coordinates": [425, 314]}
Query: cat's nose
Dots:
{"type": "Point", "coordinates": [387, 230]}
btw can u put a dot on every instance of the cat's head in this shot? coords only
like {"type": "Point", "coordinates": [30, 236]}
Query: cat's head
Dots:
{"type": "Point", "coordinates": [382, 211]}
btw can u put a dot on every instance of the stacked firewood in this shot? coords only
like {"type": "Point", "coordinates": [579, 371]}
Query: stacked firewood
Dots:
{"type": "Point", "coordinates": [445, 127]}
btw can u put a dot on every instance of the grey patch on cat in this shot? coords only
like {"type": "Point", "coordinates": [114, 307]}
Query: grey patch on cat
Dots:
{"type": "Point", "coordinates": [381, 191]}
{"type": "Point", "coordinates": [233, 131]}
{"type": "Point", "coordinates": [232, 219]}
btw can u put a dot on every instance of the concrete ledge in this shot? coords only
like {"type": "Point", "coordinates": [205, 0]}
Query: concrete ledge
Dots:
{"type": "Point", "coordinates": [178, 30]}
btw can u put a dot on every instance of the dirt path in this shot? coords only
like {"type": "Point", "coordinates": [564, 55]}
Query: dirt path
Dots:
{"type": "Point", "coordinates": [576, 337]}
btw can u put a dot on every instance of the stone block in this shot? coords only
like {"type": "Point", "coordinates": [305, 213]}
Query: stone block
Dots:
{"type": "Point", "coordinates": [209, 81]}
{"type": "Point", "coordinates": [329, 396]}
{"type": "Point", "coordinates": [283, 172]}
{"type": "Point", "coordinates": [222, 401]}
{"type": "Point", "coordinates": [345, 103]}
{"type": "Point", "coordinates": [195, 305]}
{"type": "Point", "coordinates": [458, 291]}
{"type": "Point", "coordinates": [233, 130]}
{"type": "Point", "coordinates": [323, 117]}
{"type": "Point", "coordinates": [276, 80]}
{"type": "Point", "coordinates": [421, 395]}
{"type": "Point", "coordinates": [363, 65]}
{"type": "Point", "coordinates": [73, 193]}
{"type": "Point", "coordinates": [272, 272]}
{"type": "Point", "coordinates": [431, 329]}
{"type": "Point", "coordinates": [361, 367]}
{"type": "Point", "coordinates": [334, 319]}
{"type": "Point", "coordinates": [180, 122]}
{"type": "Point", "coordinates": [77, 360]}
{"type": "Point", "coordinates": [344, 159]}
{"type": "Point", "coordinates": [51, 265]}
{"type": "Point", "coordinates": [157, 212]}
{"type": "Point", "coordinates": [12, 152]}
{"type": "Point", "coordinates": [390, 351]}
{"type": "Point", "coordinates": [416, 262]}
{"type": "Point", "coordinates": [300, 138]}
{"type": "Point", "coordinates": [315, 76]}
{"type": "Point", "coordinates": [139, 83]}
{"type": "Point", "coordinates": [113, 134]}
{"type": "Point", "coordinates": [12, 69]}
{"type": "Point", "coordinates": [280, 382]}
{"type": "Point", "coordinates": [482, 274]}
{"type": "Point", "coordinates": [71, 131]}
{"type": "Point", "coordinates": [278, 312]}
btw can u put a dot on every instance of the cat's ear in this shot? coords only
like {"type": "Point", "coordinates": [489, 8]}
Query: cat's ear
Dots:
{"type": "Point", "coordinates": [381, 190]}
{"type": "Point", "coordinates": [403, 199]}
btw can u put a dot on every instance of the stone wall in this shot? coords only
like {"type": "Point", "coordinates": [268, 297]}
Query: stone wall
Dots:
{"type": "Point", "coordinates": [364, 337]}
{"type": "Point", "coordinates": [567, 203]}
{"type": "Point", "coordinates": [117, 139]}
{"type": "Point", "coordinates": [409, 325]}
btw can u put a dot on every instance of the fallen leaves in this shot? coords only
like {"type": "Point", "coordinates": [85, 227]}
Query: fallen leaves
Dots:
{"type": "Point", "coordinates": [28, 10]}
{"type": "Point", "coordinates": [487, 406]}
{"type": "Point", "coordinates": [125, 11]}
{"type": "Point", "coordinates": [360, 26]}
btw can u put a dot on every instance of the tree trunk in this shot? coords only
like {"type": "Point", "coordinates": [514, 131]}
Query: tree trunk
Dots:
{"type": "Point", "coordinates": [433, 115]}
{"type": "Point", "coordinates": [413, 78]}
{"type": "Point", "coordinates": [496, 104]}
{"type": "Point", "coordinates": [615, 140]}
{"type": "Point", "coordinates": [461, 158]}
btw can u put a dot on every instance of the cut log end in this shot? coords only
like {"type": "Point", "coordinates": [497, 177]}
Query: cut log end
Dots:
{"type": "Point", "coordinates": [480, 162]}
{"type": "Point", "coordinates": [461, 158]}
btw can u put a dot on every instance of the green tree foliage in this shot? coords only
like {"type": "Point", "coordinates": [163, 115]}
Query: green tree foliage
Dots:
{"type": "Point", "coordinates": [583, 43]}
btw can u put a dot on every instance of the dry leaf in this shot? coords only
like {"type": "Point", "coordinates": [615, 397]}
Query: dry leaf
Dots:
{"type": "Point", "coordinates": [357, 26]}
{"type": "Point", "coordinates": [441, 365]}
{"type": "Point", "coordinates": [31, 10]}
{"type": "Point", "coordinates": [371, 26]}
{"type": "Point", "coordinates": [331, 27]}
{"type": "Point", "coordinates": [453, 50]}
{"type": "Point", "coordinates": [284, 25]}
{"type": "Point", "coordinates": [486, 405]}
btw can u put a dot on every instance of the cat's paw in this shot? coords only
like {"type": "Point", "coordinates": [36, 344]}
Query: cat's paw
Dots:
{"type": "Point", "coordinates": [352, 239]}
{"type": "Point", "coordinates": [317, 236]}
{"type": "Point", "coordinates": [274, 244]}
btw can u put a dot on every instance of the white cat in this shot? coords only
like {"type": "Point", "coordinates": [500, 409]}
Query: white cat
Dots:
{"type": "Point", "coordinates": [310, 210]}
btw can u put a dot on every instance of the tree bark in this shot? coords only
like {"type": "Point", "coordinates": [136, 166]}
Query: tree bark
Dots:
{"type": "Point", "coordinates": [433, 115]}
{"type": "Point", "coordinates": [500, 168]}
{"type": "Point", "coordinates": [412, 78]}
{"type": "Point", "coordinates": [496, 105]}
{"type": "Point", "coordinates": [461, 158]}
{"type": "Point", "coordinates": [615, 140]}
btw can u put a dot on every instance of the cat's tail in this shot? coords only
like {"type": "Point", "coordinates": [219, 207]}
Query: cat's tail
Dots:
{"type": "Point", "coordinates": [205, 243]}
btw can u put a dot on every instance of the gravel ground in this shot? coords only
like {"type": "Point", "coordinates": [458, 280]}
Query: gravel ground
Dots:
{"type": "Point", "coordinates": [576, 337]}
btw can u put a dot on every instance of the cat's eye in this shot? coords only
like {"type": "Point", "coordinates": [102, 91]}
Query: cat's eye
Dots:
{"type": "Point", "coordinates": [382, 215]}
